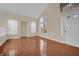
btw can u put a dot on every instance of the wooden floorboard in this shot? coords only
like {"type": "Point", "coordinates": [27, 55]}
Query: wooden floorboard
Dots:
{"type": "Point", "coordinates": [37, 46]}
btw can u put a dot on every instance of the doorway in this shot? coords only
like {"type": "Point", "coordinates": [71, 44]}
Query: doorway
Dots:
{"type": "Point", "coordinates": [23, 28]}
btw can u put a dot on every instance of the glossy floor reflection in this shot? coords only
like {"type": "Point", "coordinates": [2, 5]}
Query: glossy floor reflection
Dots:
{"type": "Point", "coordinates": [37, 46]}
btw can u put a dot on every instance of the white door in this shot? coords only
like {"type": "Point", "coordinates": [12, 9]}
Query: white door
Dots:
{"type": "Point", "coordinates": [23, 29]}
{"type": "Point", "coordinates": [72, 31]}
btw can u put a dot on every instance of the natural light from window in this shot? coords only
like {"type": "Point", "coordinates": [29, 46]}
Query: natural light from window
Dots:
{"type": "Point", "coordinates": [33, 27]}
{"type": "Point", "coordinates": [12, 27]}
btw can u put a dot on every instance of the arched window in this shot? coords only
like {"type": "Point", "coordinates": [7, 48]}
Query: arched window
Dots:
{"type": "Point", "coordinates": [43, 24]}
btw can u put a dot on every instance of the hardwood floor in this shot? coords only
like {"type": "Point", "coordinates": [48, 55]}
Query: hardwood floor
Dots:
{"type": "Point", "coordinates": [37, 46]}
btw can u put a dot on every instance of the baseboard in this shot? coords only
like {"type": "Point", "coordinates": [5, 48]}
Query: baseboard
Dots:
{"type": "Point", "coordinates": [3, 42]}
{"type": "Point", "coordinates": [59, 41]}
{"type": "Point", "coordinates": [43, 37]}
{"type": "Point", "coordinates": [14, 37]}
{"type": "Point", "coordinates": [18, 37]}
{"type": "Point", "coordinates": [51, 39]}
{"type": "Point", "coordinates": [28, 36]}
{"type": "Point", "coordinates": [73, 45]}
{"type": "Point", "coordinates": [77, 46]}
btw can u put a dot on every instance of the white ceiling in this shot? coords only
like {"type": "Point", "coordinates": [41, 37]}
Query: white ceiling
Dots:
{"type": "Point", "coordinates": [26, 9]}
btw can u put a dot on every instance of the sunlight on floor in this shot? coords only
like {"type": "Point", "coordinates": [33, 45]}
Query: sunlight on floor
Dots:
{"type": "Point", "coordinates": [43, 47]}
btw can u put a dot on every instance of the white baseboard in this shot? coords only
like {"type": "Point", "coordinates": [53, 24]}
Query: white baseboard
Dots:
{"type": "Point", "coordinates": [59, 41]}
{"type": "Point", "coordinates": [3, 39]}
{"type": "Point", "coordinates": [13, 37]}
{"type": "Point", "coordinates": [2, 42]}
{"type": "Point", "coordinates": [51, 39]}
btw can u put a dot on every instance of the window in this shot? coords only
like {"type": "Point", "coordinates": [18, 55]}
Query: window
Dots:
{"type": "Point", "coordinates": [33, 27]}
{"type": "Point", "coordinates": [43, 24]}
{"type": "Point", "coordinates": [12, 27]}
{"type": "Point", "coordinates": [2, 31]}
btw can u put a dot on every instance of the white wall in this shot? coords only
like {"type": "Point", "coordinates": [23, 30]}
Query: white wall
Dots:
{"type": "Point", "coordinates": [3, 37]}
{"type": "Point", "coordinates": [66, 12]}
{"type": "Point", "coordinates": [54, 28]}
{"type": "Point", "coordinates": [23, 28]}
{"type": "Point", "coordinates": [55, 22]}
{"type": "Point", "coordinates": [29, 27]}
{"type": "Point", "coordinates": [52, 14]}
{"type": "Point", "coordinates": [4, 16]}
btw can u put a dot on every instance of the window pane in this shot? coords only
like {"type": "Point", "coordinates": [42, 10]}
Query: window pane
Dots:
{"type": "Point", "coordinates": [43, 24]}
{"type": "Point", "coordinates": [33, 27]}
{"type": "Point", "coordinates": [2, 31]}
{"type": "Point", "coordinates": [12, 27]}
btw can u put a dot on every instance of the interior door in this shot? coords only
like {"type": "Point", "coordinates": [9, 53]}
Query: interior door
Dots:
{"type": "Point", "coordinates": [72, 31]}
